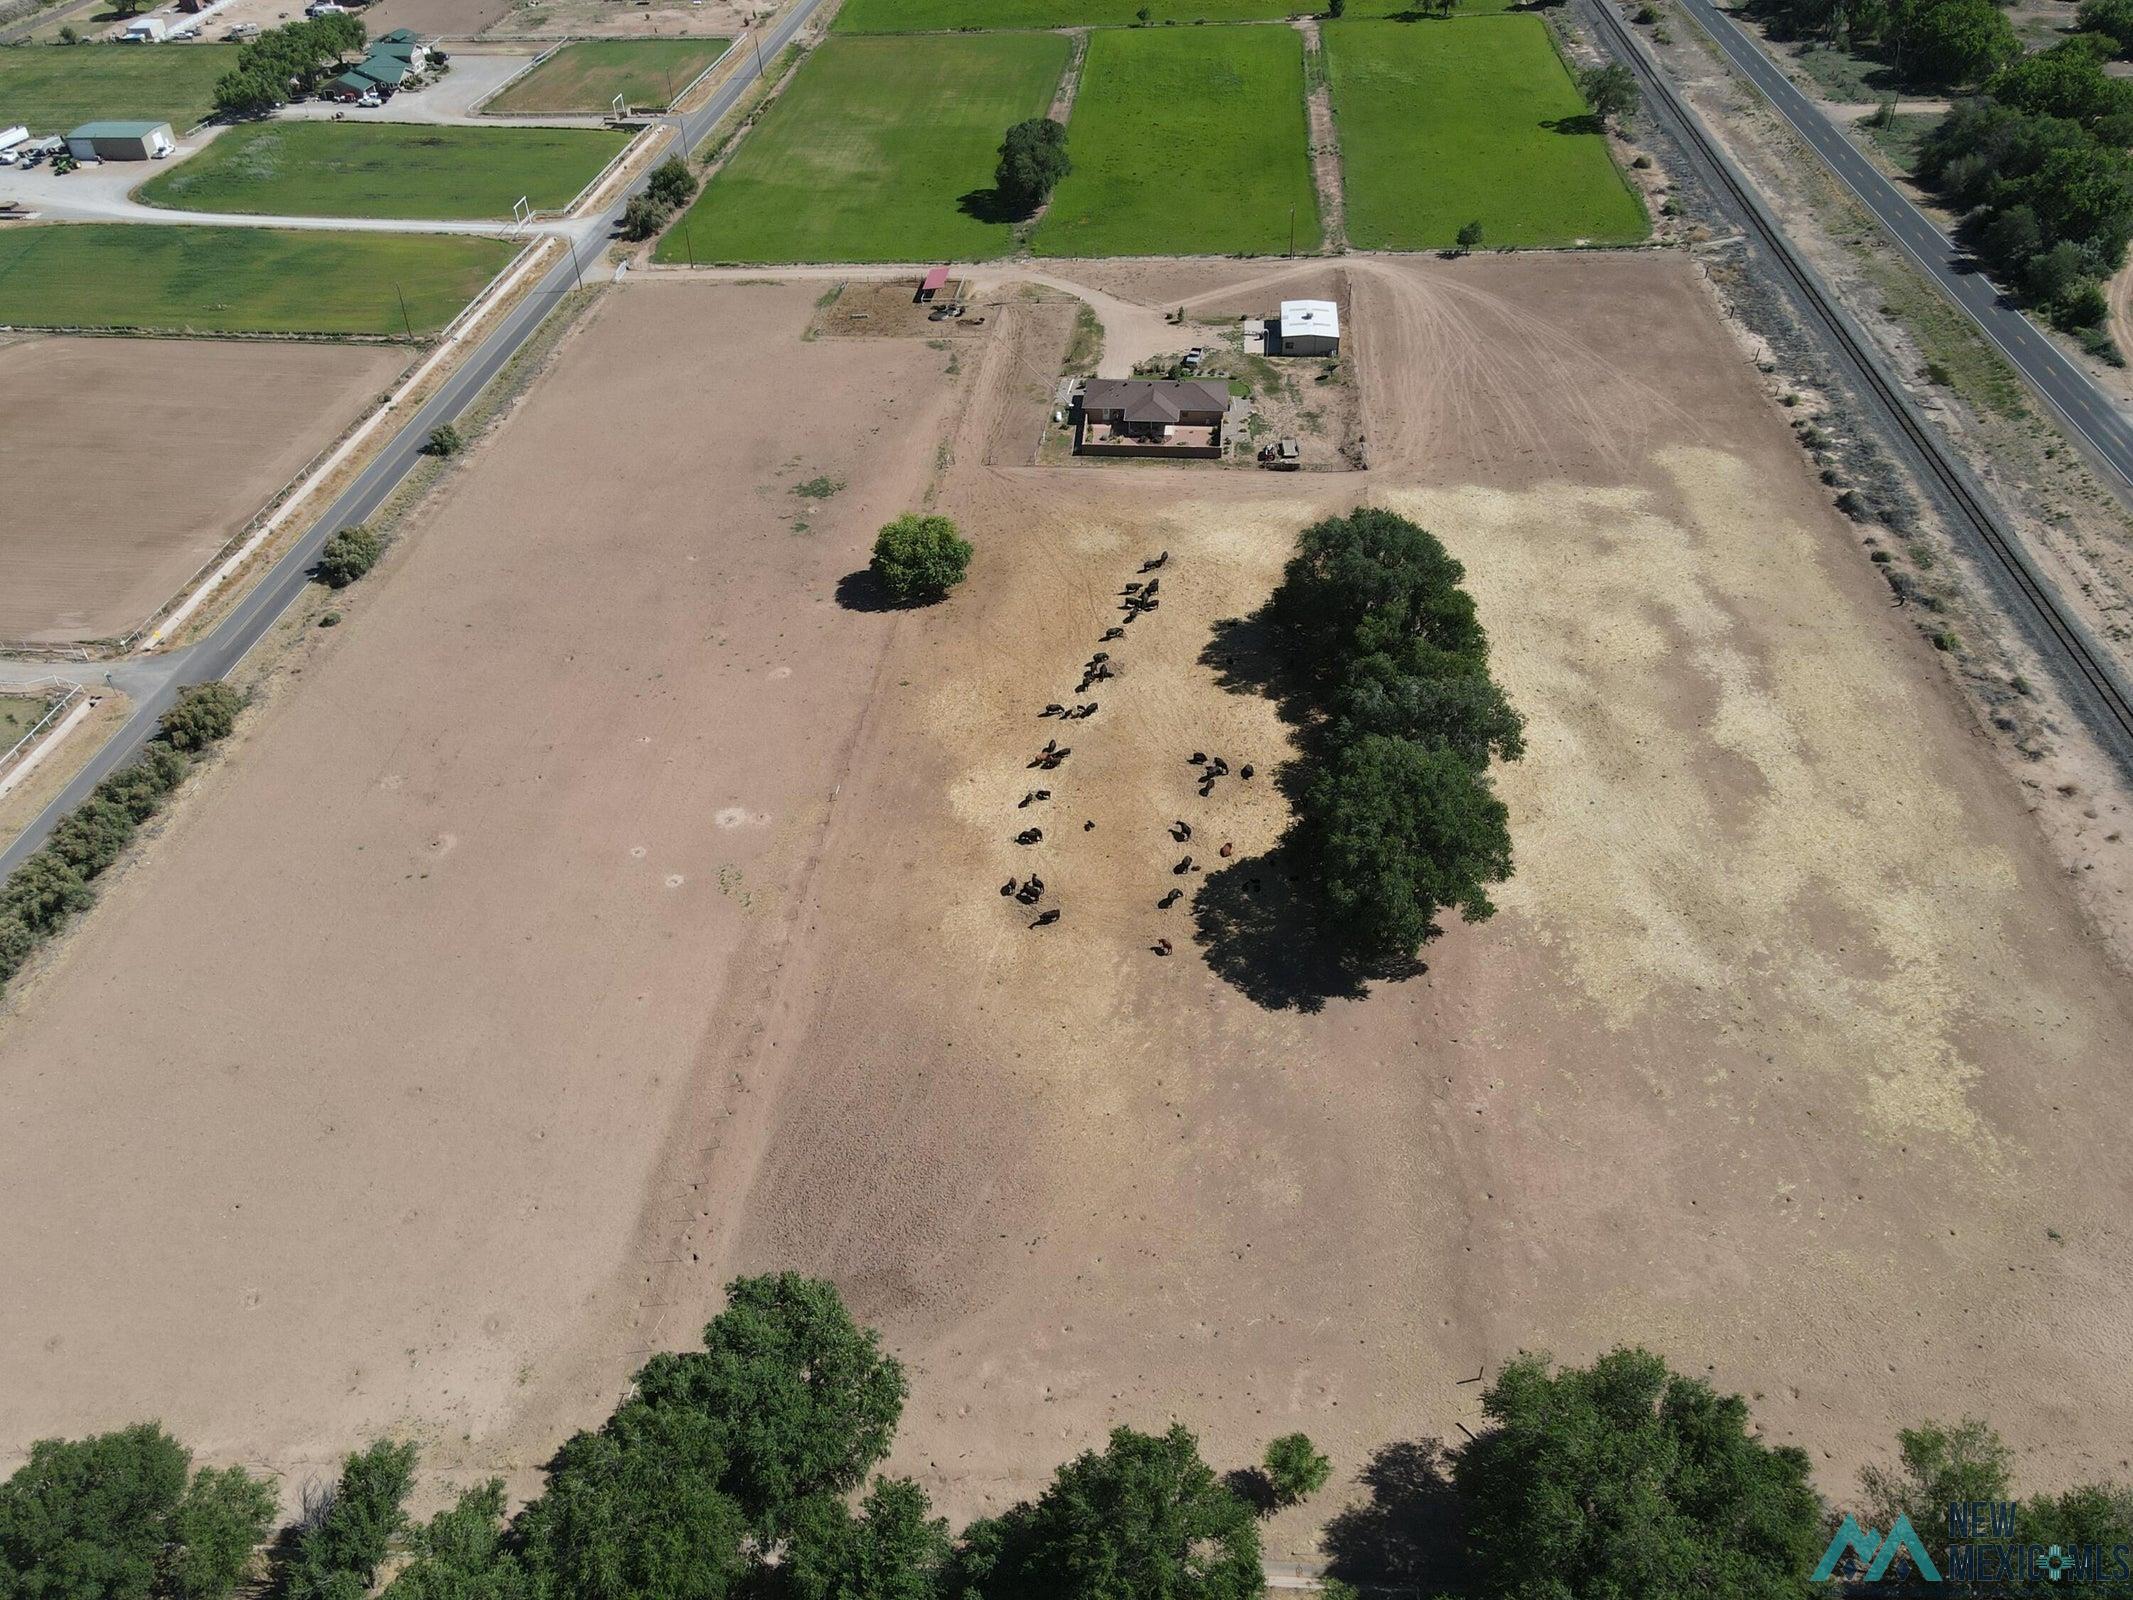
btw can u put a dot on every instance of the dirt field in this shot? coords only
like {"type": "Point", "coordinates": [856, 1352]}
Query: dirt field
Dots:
{"type": "Point", "coordinates": [1786, 1051]}
{"type": "Point", "coordinates": [136, 459]}
{"type": "Point", "coordinates": [578, 19]}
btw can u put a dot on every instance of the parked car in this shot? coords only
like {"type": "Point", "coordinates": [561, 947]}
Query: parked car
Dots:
{"type": "Point", "coordinates": [1193, 358]}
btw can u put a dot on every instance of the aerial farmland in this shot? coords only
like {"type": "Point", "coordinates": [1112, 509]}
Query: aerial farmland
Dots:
{"type": "Point", "coordinates": [716, 940]}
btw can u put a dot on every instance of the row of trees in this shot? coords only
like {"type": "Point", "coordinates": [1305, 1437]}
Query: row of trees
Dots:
{"type": "Point", "coordinates": [1394, 811]}
{"type": "Point", "coordinates": [747, 1469]}
{"type": "Point", "coordinates": [1943, 44]}
{"type": "Point", "coordinates": [54, 883]}
{"type": "Point", "coordinates": [286, 62]}
{"type": "Point", "coordinates": [2038, 166]}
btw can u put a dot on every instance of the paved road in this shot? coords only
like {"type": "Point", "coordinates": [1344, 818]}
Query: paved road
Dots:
{"type": "Point", "coordinates": [2065, 387]}
{"type": "Point", "coordinates": [232, 638]}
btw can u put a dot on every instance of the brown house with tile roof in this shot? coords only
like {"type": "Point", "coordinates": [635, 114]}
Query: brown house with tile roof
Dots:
{"type": "Point", "coordinates": [1133, 414]}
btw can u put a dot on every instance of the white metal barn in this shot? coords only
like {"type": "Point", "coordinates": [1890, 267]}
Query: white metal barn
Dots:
{"type": "Point", "coordinates": [1308, 328]}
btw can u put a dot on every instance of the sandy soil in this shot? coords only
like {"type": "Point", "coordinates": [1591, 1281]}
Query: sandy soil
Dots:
{"type": "Point", "coordinates": [1787, 1049]}
{"type": "Point", "coordinates": [134, 460]}
{"type": "Point", "coordinates": [612, 19]}
{"type": "Point", "coordinates": [534, 782]}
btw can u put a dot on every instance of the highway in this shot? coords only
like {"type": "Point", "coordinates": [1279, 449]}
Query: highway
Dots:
{"type": "Point", "coordinates": [2080, 406]}
{"type": "Point", "coordinates": [232, 638]}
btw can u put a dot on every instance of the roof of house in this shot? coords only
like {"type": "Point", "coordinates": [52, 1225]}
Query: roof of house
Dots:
{"type": "Point", "coordinates": [352, 80]}
{"type": "Point", "coordinates": [1302, 319]}
{"type": "Point", "coordinates": [398, 36]}
{"type": "Point", "coordinates": [383, 69]}
{"type": "Point", "coordinates": [398, 49]}
{"type": "Point", "coordinates": [1155, 399]}
{"type": "Point", "coordinates": [118, 130]}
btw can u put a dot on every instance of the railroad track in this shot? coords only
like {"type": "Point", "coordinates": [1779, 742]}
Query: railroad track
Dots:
{"type": "Point", "coordinates": [2084, 668]}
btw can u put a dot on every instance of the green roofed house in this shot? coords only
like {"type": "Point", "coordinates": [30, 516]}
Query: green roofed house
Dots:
{"type": "Point", "coordinates": [391, 60]}
{"type": "Point", "coordinates": [121, 141]}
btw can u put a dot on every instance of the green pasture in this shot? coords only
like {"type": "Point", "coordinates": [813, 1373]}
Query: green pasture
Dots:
{"type": "Point", "coordinates": [1446, 123]}
{"type": "Point", "coordinates": [51, 88]}
{"type": "Point", "coordinates": [239, 280]}
{"type": "Point", "coordinates": [879, 150]}
{"type": "Point", "coordinates": [924, 16]}
{"type": "Point", "coordinates": [1186, 141]}
{"type": "Point", "coordinates": [398, 170]}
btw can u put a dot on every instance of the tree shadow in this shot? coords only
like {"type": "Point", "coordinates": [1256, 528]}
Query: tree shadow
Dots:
{"type": "Point", "coordinates": [862, 591]}
{"type": "Point", "coordinates": [1262, 932]}
{"type": "Point", "coordinates": [1411, 1533]}
{"type": "Point", "coordinates": [1586, 123]}
{"type": "Point", "coordinates": [990, 205]}
{"type": "Point", "coordinates": [1245, 655]}
{"type": "Point", "coordinates": [1253, 1487]}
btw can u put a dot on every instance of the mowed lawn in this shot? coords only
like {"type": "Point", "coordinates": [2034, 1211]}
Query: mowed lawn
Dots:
{"type": "Point", "coordinates": [50, 88]}
{"type": "Point", "coordinates": [239, 280]}
{"type": "Point", "coordinates": [1442, 124]}
{"type": "Point", "coordinates": [399, 170]}
{"type": "Point", "coordinates": [921, 16]}
{"type": "Point", "coordinates": [586, 77]}
{"type": "Point", "coordinates": [880, 150]}
{"type": "Point", "coordinates": [1186, 141]}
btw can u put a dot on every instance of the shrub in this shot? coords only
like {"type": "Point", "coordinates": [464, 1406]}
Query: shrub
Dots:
{"type": "Point", "coordinates": [444, 440]}
{"type": "Point", "coordinates": [17, 940]}
{"type": "Point", "coordinates": [348, 555]}
{"type": "Point", "coordinates": [44, 891]}
{"type": "Point", "coordinates": [672, 183]}
{"type": "Point", "coordinates": [920, 558]}
{"type": "Point", "coordinates": [90, 837]}
{"type": "Point", "coordinates": [204, 713]}
{"type": "Point", "coordinates": [1469, 236]}
{"type": "Point", "coordinates": [141, 784]}
{"type": "Point", "coordinates": [642, 218]}
{"type": "Point", "coordinates": [1295, 1468]}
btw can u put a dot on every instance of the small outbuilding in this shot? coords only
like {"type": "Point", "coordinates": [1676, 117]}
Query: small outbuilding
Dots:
{"type": "Point", "coordinates": [1308, 328]}
{"type": "Point", "coordinates": [930, 285]}
{"type": "Point", "coordinates": [143, 30]}
{"type": "Point", "coordinates": [121, 141]}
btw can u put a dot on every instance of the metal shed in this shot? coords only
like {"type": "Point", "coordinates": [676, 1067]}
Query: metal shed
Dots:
{"type": "Point", "coordinates": [121, 141]}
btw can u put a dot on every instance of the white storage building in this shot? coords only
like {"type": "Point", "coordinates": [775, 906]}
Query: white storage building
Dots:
{"type": "Point", "coordinates": [1308, 328]}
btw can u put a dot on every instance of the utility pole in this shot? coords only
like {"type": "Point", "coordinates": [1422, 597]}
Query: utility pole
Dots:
{"type": "Point", "coordinates": [405, 321]}
{"type": "Point", "coordinates": [574, 272]}
{"type": "Point", "coordinates": [756, 33]}
{"type": "Point", "coordinates": [1292, 228]}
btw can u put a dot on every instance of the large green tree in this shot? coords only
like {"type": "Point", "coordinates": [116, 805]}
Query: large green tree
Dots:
{"type": "Point", "coordinates": [1146, 1519]}
{"type": "Point", "coordinates": [121, 1517]}
{"type": "Point", "coordinates": [337, 1558]}
{"type": "Point", "coordinates": [1033, 158]}
{"type": "Point", "coordinates": [894, 1549]}
{"type": "Point", "coordinates": [1624, 1481]}
{"type": "Point", "coordinates": [638, 1511]}
{"type": "Point", "coordinates": [919, 557]}
{"type": "Point", "coordinates": [805, 1400]}
{"type": "Point", "coordinates": [1401, 832]}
